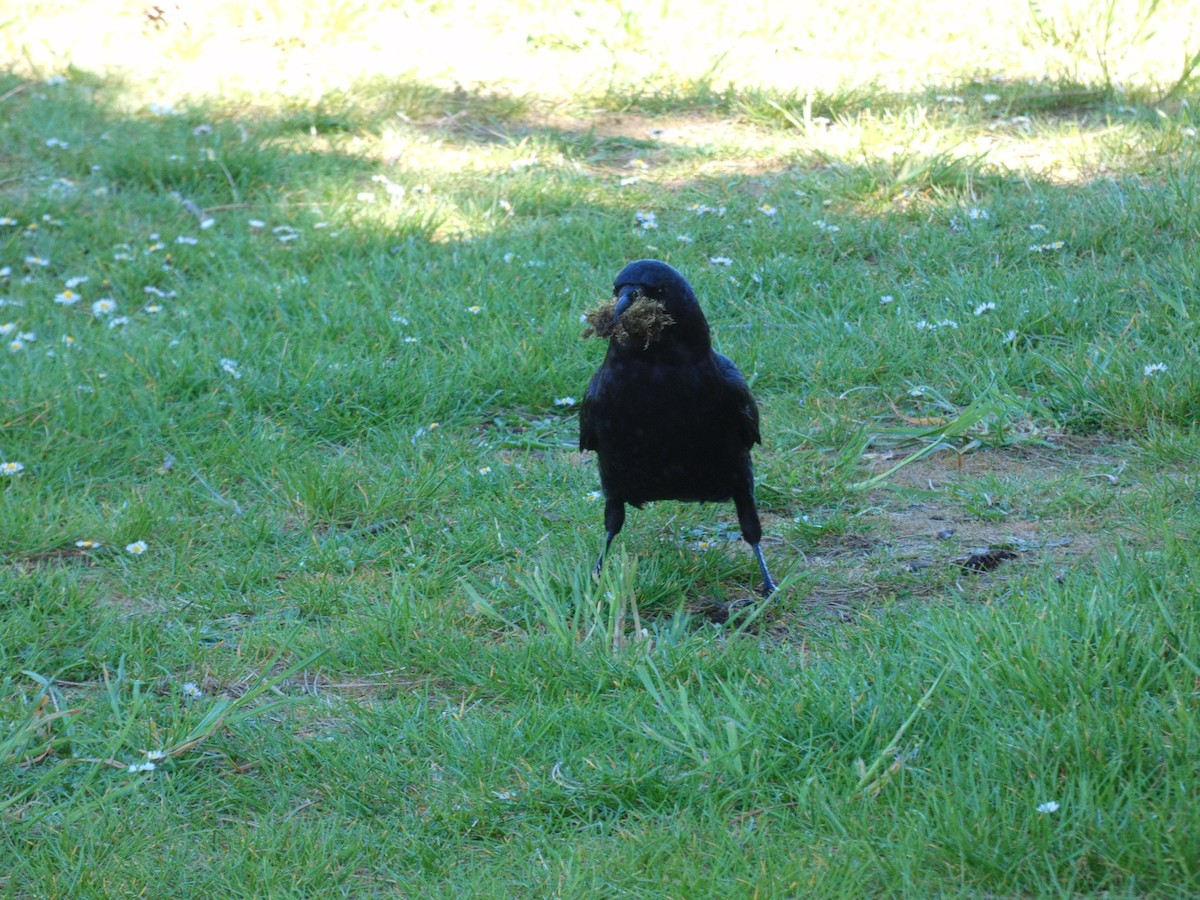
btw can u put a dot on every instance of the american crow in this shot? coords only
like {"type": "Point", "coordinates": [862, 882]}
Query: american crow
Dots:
{"type": "Point", "coordinates": [669, 418]}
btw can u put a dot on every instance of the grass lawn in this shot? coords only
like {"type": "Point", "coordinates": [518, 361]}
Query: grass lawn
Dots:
{"type": "Point", "coordinates": [296, 539]}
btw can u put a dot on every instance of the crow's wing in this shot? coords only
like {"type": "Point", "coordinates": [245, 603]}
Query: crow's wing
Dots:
{"type": "Point", "coordinates": [741, 399]}
{"type": "Point", "coordinates": [587, 413]}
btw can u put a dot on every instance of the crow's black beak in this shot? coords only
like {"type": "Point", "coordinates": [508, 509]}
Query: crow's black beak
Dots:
{"type": "Point", "coordinates": [625, 298]}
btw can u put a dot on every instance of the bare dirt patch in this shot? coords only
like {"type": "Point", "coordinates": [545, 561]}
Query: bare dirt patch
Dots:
{"type": "Point", "coordinates": [972, 523]}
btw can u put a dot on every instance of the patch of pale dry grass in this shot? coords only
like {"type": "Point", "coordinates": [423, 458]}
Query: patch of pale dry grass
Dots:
{"type": "Point", "coordinates": [564, 51]}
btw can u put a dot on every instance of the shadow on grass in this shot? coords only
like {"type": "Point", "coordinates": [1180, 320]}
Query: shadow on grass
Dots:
{"type": "Point", "coordinates": [796, 299]}
{"type": "Point", "coordinates": [520, 179]}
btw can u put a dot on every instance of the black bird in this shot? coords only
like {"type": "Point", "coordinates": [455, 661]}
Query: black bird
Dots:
{"type": "Point", "coordinates": [669, 418]}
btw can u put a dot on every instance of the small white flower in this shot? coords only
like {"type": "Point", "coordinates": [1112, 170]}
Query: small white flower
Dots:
{"type": "Point", "coordinates": [1153, 369]}
{"type": "Point", "coordinates": [564, 401]}
{"type": "Point", "coordinates": [16, 346]}
{"type": "Point", "coordinates": [1045, 248]}
{"type": "Point", "coordinates": [474, 310]}
{"type": "Point", "coordinates": [1038, 228]}
{"type": "Point", "coordinates": [825, 226]}
{"type": "Point", "coordinates": [886, 299]}
{"type": "Point", "coordinates": [118, 321]}
{"type": "Point", "coordinates": [40, 261]}
{"type": "Point", "coordinates": [230, 367]}
{"type": "Point", "coordinates": [88, 545]}
{"type": "Point", "coordinates": [594, 495]}
{"type": "Point", "coordinates": [720, 261]}
{"type": "Point", "coordinates": [56, 142]}
{"type": "Point", "coordinates": [485, 470]}
{"type": "Point", "coordinates": [365, 196]}
{"type": "Point", "coordinates": [991, 98]}
{"type": "Point", "coordinates": [142, 767]}
{"type": "Point", "coordinates": [768, 210]}
{"type": "Point", "coordinates": [923, 325]}
{"type": "Point", "coordinates": [646, 219]}
{"type": "Point", "coordinates": [8, 328]}
{"type": "Point", "coordinates": [187, 240]}
{"type": "Point", "coordinates": [191, 691]}
{"type": "Point", "coordinates": [155, 755]}
{"type": "Point", "coordinates": [11, 468]}
{"type": "Point", "coordinates": [76, 281]}
{"type": "Point", "coordinates": [257, 224]}
{"type": "Point", "coordinates": [137, 548]}
{"type": "Point", "coordinates": [984, 307]}
{"type": "Point", "coordinates": [978, 214]}
{"type": "Point", "coordinates": [1048, 807]}
{"type": "Point", "coordinates": [104, 306]}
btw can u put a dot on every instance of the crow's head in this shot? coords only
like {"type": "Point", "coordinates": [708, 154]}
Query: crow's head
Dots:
{"type": "Point", "coordinates": [662, 284]}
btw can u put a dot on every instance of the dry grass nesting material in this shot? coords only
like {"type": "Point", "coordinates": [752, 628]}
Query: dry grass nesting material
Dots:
{"type": "Point", "coordinates": [644, 320]}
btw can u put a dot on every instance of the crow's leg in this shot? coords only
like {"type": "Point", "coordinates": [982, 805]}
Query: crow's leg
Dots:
{"type": "Point", "coordinates": [747, 514]}
{"type": "Point", "coordinates": [614, 520]}
{"type": "Point", "coordinates": [769, 585]}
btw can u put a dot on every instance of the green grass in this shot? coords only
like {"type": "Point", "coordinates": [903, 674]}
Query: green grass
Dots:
{"type": "Point", "coordinates": [362, 646]}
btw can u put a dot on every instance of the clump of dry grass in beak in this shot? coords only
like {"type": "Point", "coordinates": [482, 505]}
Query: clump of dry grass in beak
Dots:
{"type": "Point", "coordinates": [642, 319]}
